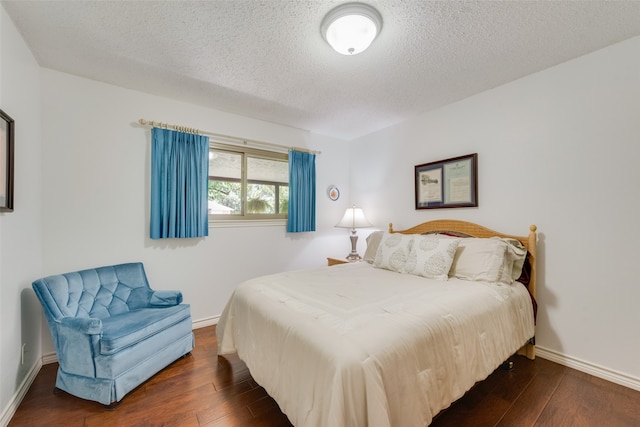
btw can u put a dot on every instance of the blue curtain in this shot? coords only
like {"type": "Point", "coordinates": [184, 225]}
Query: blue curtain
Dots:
{"type": "Point", "coordinates": [179, 182]}
{"type": "Point", "coordinates": [302, 192]}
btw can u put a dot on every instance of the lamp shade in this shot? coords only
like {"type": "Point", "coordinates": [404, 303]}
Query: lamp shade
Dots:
{"type": "Point", "coordinates": [354, 218]}
{"type": "Point", "coordinates": [350, 28]}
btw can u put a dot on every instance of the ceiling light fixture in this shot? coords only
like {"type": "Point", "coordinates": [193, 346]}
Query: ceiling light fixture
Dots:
{"type": "Point", "coordinates": [350, 28]}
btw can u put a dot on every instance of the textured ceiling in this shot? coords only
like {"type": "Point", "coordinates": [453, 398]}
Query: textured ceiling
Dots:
{"type": "Point", "coordinates": [266, 59]}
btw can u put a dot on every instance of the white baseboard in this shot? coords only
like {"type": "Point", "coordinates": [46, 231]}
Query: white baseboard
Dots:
{"type": "Point", "coordinates": [22, 390]}
{"type": "Point", "coordinates": [207, 321]}
{"type": "Point", "coordinates": [49, 358]}
{"type": "Point", "coordinates": [589, 368]}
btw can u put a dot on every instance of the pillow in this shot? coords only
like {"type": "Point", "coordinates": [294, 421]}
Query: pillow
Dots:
{"type": "Point", "coordinates": [431, 256]}
{"type": "Point", "coordinates": [525, 275]}
{"type": "Point", "coordinates": [491, 260]}
{"type": "Point", "coordinates": [373, 241]}
{"type": "Point", "coordinates": [518, 255]}
{"type": "Point", "coordinates": [393, 251]}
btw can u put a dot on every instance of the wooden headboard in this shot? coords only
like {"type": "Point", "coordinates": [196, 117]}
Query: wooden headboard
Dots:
{"type": "Point", "coordinates": [469, 229]}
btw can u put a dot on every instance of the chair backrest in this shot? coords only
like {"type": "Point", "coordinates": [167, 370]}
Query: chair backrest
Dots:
{"type": "Point", "coordinates": [98, 292]}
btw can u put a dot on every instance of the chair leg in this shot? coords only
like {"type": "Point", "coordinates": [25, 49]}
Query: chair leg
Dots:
{"type": "Point", "coordinates": [507, 365]}
{"type": "Point", "coordinates": [112, 406]}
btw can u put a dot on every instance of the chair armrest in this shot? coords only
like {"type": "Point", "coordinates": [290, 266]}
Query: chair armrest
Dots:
{"type": "Point", "coordinates": [165, 298]}
{"type": "Point", "coordinates": [85, 325]}
{"type": "Point", "coordinates": [78, 341]}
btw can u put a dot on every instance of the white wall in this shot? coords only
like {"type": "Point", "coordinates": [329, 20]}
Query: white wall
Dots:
{"type": "Point", "coordinates": [96, 195]}
{"type": "Point", "coordinates": [20, 230]}
{"type": "Point", "coordinates": [559, 149]}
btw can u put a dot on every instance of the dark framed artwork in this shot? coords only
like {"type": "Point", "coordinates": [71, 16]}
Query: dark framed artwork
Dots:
{"type": "Point", "coordinates": [449, 183]}
{"type": "Point", "coordinates": [7, 130]}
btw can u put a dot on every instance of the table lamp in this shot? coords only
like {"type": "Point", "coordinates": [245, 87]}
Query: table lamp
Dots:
{"type": "Point", "coordinates": [353, 218]}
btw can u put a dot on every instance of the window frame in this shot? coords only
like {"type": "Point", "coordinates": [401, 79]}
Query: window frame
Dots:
{"type": "Point", "coordinates": [245, 218]}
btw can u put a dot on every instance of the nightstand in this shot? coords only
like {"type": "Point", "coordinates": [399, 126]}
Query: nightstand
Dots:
{"type": "Point", "coordinates": [336, 261]}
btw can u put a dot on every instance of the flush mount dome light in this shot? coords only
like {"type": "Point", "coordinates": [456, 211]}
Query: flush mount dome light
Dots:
{"type": "Point", "coordinates": [350, 28]}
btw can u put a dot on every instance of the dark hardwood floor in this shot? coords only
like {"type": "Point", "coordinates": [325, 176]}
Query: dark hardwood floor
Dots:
{"type": "Point", "coordinates": [204, 390]}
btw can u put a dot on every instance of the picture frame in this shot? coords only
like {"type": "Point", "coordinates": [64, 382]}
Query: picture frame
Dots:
{"type": "Point", "coordinates": [449, 183]}
{"type": "Point", "coordinates": [7, 135]}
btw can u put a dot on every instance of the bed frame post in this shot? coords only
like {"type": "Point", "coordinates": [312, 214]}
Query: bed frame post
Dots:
{"type": "Point", "coordinates": [533, 239]}
{"type": "Point", "coordinates": [529, 350]}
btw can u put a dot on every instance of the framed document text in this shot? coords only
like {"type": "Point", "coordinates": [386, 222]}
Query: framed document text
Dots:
{"type": "Point", "coordinates": [450, 183]}
{"type": "Point", "coordinates": [6, 162]}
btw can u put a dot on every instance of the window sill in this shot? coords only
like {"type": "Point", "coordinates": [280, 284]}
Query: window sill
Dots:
{"type": "Point", "coordinates": [231, 223]}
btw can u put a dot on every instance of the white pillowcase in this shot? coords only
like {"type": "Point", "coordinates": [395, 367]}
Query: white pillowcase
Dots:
{"type": "Point", "coordinates": [431, 256]}
{"type": "Point", "coordinates": [373, 241]}
{"type": "Point", "coordinates": [491, 260]}
{"type": "Point", "coordinates": [393, 251]}
{"type": "Point", "coordinates": [517, 254]}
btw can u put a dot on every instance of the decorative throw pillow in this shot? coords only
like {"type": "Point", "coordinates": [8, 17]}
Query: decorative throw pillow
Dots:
{"type": "Point", "coordinates": [431, 256]}
{"type": "Point", "coordinates": [373, 241]}
{"type": "Point", "coordinates": [393, 251]}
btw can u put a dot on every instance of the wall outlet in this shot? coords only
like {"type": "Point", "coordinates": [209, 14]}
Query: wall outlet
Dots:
{"type": "Point", "coordinates": [24, 350]}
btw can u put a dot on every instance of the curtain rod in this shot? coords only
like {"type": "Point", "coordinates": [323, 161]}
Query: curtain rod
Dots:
{"type": "Point", "coordinates": [228, 138]}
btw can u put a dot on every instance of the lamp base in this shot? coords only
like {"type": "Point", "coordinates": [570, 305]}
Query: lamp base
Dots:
{"type": "Point", "coordinates": [353, 255]}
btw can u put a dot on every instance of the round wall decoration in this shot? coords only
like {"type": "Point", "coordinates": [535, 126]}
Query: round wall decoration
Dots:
{"type": "Point", "coordinates": [333, 192]}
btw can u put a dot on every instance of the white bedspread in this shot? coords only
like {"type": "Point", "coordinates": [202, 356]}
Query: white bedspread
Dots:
{"type": "Point", "coordinates": [352, 345]}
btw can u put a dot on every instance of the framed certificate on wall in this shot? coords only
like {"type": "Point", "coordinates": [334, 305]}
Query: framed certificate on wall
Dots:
{"type": "Point", "coordinates": [6, 162]}
{"type": "Point", "coordinates": [449, 183]}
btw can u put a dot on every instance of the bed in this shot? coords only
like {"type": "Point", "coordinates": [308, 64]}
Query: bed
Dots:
{"type": "Point", "coordinates": [392, 340]}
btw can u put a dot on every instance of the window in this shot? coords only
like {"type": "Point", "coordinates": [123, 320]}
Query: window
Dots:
{"type": "Point", "coordinates": [247, 184]}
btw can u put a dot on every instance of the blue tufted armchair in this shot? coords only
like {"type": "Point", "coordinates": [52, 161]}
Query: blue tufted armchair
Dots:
{"type": "Point", "coordinates": [111, 331]}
